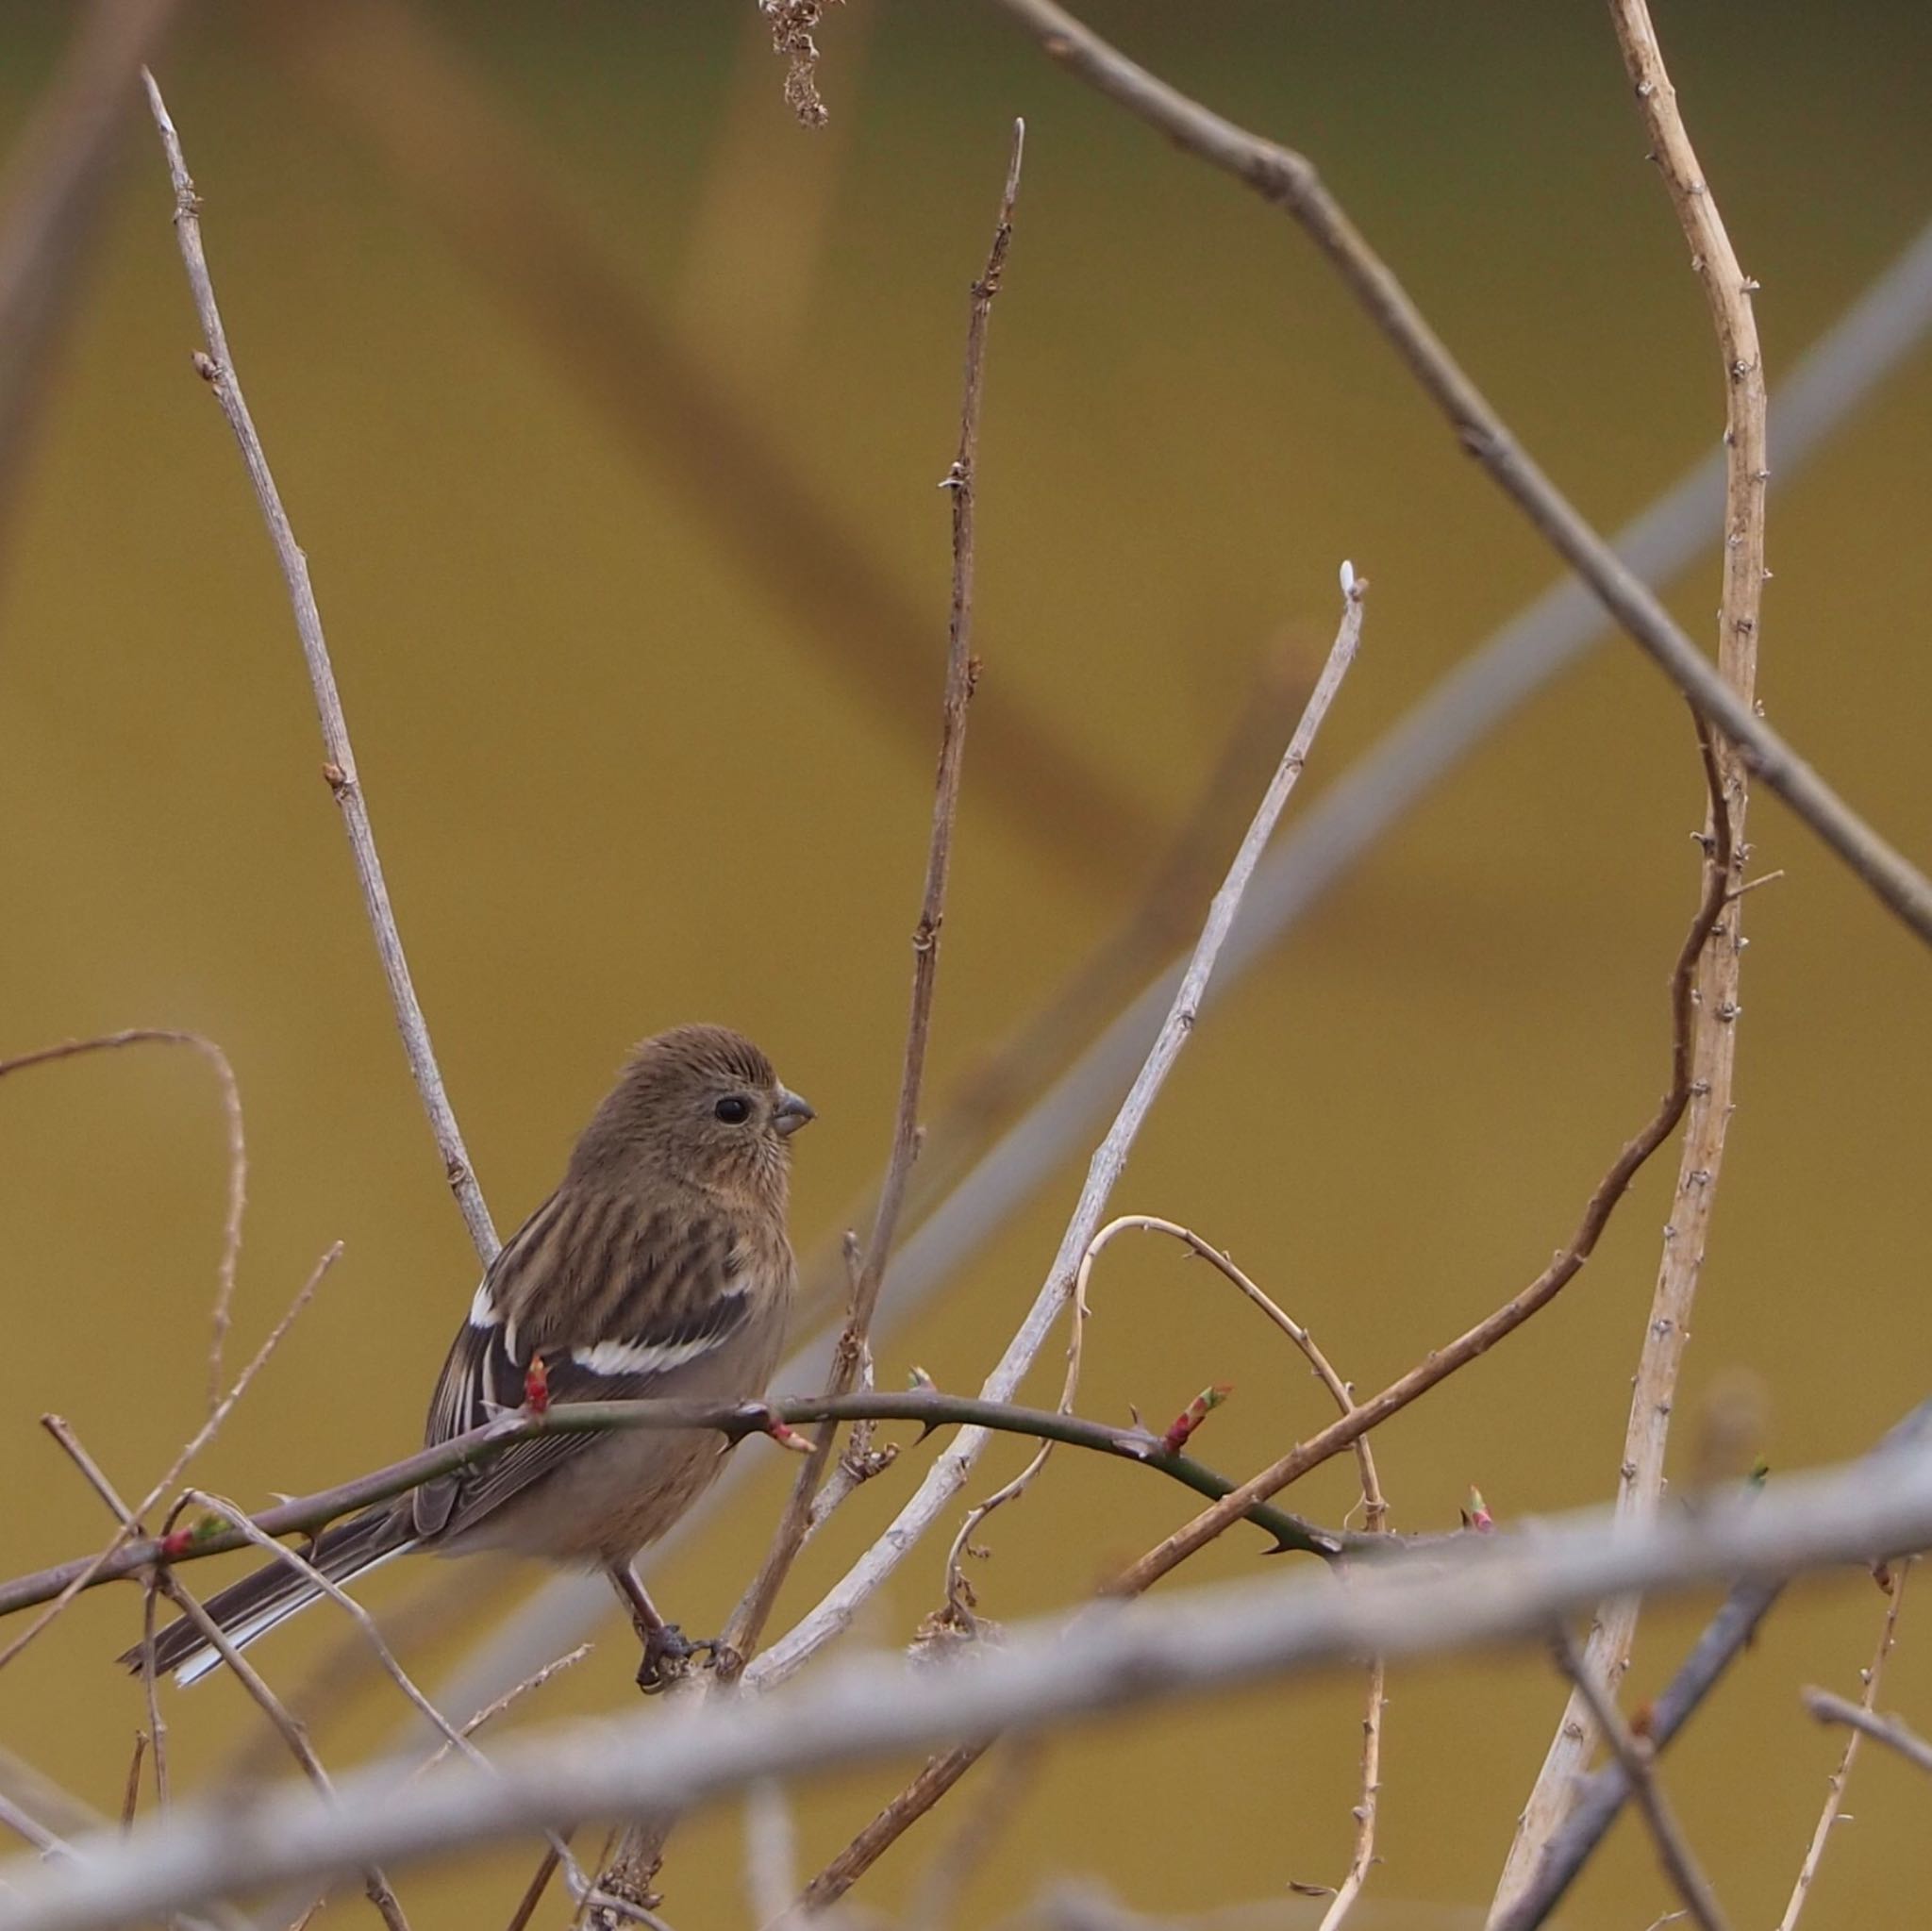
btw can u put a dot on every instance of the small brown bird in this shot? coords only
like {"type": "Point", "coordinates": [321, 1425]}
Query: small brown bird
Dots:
{"type": "Point", "coordinates": [659, 1266]}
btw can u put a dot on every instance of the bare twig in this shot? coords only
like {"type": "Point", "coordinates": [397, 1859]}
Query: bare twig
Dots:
{"type": "Point", "coordinates": [59, 1586]}
{"type": "Point", "coordinates": [1854, 356]}
{"type": "Point", "coordinates": [771, 1854]}
{"type": "Point", "coordinates": [1893, 1731]}
{"type": "Point", "coordinates": [1672, 1849]}
{"type": "Point", "coordinates": [1715, 1000]}
{"type": "Point", "coordinates": [381, 1894]}
{"type": "Point", "coordinates": [1835, 1790]}
{"type": "Point", "coordinates": [961, 481]}
{"type": "Point", "coordinates": [938, 1775]}
{"type": "Point", "coordinates": [217, 368]}
{"type": "Point", "coordinates": [130, 1796]}
{"type": "Point", "coordinates": [1441, 1362]}
{"type": "Point", "coordinates": [949, 1473]}
{"type": "Point", "coordinates": [733, 1420]}
{"type": "Point", "coordinates": [1288, 181]}
{"type": "Point", "coordinates": [1476, 1590]}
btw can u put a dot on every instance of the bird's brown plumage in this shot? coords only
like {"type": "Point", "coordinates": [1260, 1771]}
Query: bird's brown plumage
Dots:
{"type": "Point", "coordinates": [660, 1266]}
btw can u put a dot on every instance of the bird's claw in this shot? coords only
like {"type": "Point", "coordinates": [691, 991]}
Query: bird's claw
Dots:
{"type": "Point", "coordinates": [668, 1653]}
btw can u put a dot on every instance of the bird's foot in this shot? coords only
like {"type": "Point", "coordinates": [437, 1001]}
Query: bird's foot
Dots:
{"type": "Point", "coordinates": [668, 1656]}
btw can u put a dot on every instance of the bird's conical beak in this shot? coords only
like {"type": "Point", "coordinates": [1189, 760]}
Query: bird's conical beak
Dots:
{"type": "Point", "coordinates": [791, 1112]}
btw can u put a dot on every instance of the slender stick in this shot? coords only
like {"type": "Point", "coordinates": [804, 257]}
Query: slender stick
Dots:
{"type": "Point", "coordinates": [938, 1775]}
{"type": "Point", "coordinates": [1440, 1363]}
{"type": "Point", "coordinates": [733, 1420]}
{"type": "Point", "coordinates": [948, 1474]}
{"type": "Point", "coordinates": [1672, 1849]}
{"type": "Point", "coordinates": [1716, 1002]}
{"type": "Point", "coordinates": [1288, 181]}
{"type": "Point", "coordinates": [748, 1620]}
{"type": "Point", "coordinates": [381, 1894]}
{"type": "Point", "coordinates": [217, 368]}
{"type": "Point", "coordinates": [1835, 1789]}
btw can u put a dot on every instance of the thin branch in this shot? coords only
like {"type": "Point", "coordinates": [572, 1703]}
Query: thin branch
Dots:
{"type": "Point", "coordinates": [938, 1775]}
{"type": "Point", "coordinates": [748, 1620]}
{"type": "Point", "coordinates": [238, 1155]}
{"type": "Point", "coordinates": [1475, 1591]}
{"type": "Point", "coordinates": [1672, 1849]}
{"type": "Point", "coordinates": [1716, 1001]}
{"type": "Point", "coordinates": [381, 1894]}
{"type": "Point", "coordinates": [1841, 369]}
{"type": "Point", "coordinates": [217, 368]}
{"type": "Point", "coordinates": [835, 1612]}
{"type": "Point", "coordinates": [733, 1420]}
{"type": "Point", "coordinates": [1440, 1363]}
{"type": "Point", "coordinates": [1835, 1789]}
{"type": "Point", "coordinates": [64, 1584]}
{"type": "Point", "coordinates": [1288, 181]}
{"type": "Point", "coordinates": [1893, 1731]}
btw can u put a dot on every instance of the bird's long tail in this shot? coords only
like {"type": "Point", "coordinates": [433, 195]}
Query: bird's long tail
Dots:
{"type": "Point", "coordinates": [272, 1594]}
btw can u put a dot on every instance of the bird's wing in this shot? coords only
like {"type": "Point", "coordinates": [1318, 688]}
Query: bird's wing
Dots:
{"type": "Point", "coordinates": [617, 1309]}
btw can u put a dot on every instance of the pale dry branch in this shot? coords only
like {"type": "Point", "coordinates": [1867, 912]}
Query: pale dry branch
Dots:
{"type": "Point", "coordinates": [1289, 182]}
{"type": "Point", "coordinates": [939, 1774]}
{"type": "Point", "coordinates": [1672, 1848]}
{"type": "Point", "coordinates": [1475, 1591]}
{"type": "Point", "coordinates": [747, 1624]}
{"type": "Point", "coordinates": [1835, 1790]}
{"type": "Point", "coordinates": [834, 1613]}
{"type": "Point", "coordinates": [216, 368]}
{"type": "Point", "coordinates": [1716, 998]}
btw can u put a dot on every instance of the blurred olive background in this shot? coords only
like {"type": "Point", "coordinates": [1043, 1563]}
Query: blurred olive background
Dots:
{"type": "Point", "coordinates": [619, 781]}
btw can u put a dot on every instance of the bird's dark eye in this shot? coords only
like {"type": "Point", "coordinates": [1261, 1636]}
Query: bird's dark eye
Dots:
{"type": "Point", "coordinates": [734, 1110]}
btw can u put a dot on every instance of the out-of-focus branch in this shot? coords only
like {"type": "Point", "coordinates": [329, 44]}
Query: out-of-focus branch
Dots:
{"type": "Point", "coordinates": [434, 124]}
{"type": "Point", "coordinates": [1476, 1591]}
{"type": "Point", "coordinates": [217, 368]}
{"type": "Point", "coordinates": [834, 1613]}
{"type": "Point", "coordinates": [1893, 1731]}
{"type": "Point", "coordinates": [1835, 1790]}
{"type": "Point", "coordinates": [1289, 182]}
{"type": "Point", "coordinates": [1725, 1638]}
{"type": "Point", "coordinates": [51, 200]}
{"type": "Point", "coordinates": [1636, 1755]}
{"type": "Point", "coordinates": [1715, 1001]}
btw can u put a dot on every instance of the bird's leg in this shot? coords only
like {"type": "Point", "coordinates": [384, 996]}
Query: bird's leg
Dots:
{"type": "Point", "coordinates": [667, 1649]}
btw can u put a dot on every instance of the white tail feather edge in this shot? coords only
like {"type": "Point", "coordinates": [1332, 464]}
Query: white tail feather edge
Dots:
{"type": "Point", "coordinates": [208, 1657]}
